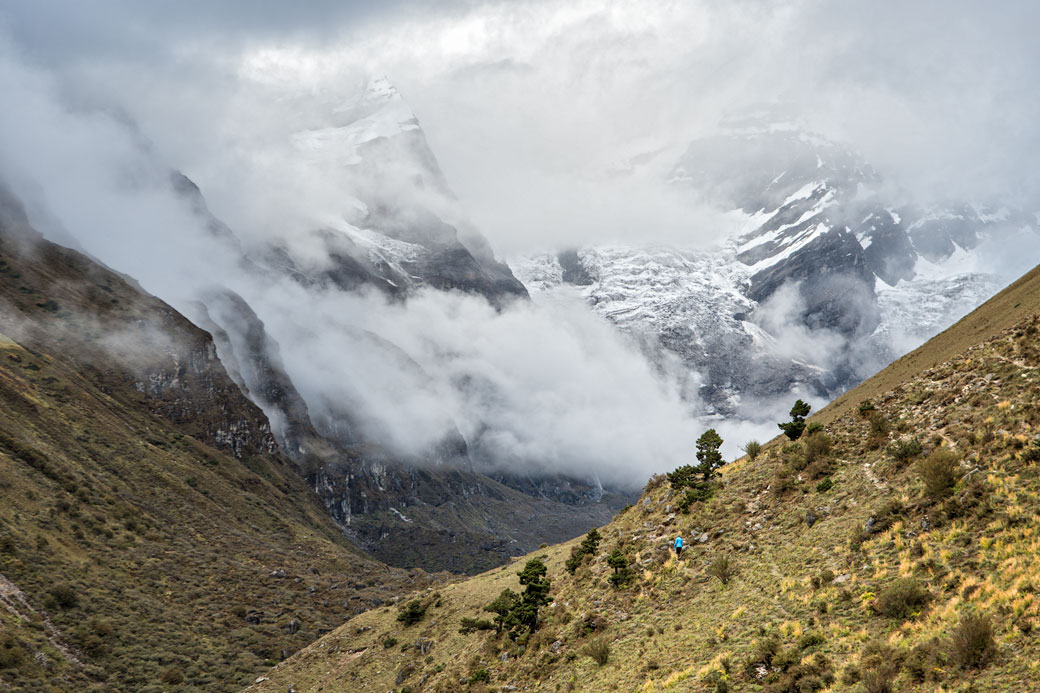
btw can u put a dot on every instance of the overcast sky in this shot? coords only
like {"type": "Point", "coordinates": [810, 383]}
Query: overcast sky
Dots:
{"type": "Point", "coordinates": [530, 105]}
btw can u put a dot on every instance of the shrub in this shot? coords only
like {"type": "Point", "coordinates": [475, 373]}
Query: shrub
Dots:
{"type": "Point", "coordinates": [11, 654]}
{"type": "Point", "coordinates": [865, 407]}
{"type": "Point", "coordinates": [824, 485]}
{"type": "Point", "coordinates": [879, 679]}
{"type": "Point", "coordinates": [468, 625]}
{"type": "Point", "coordinates": [752, 448]}
{"type": "Point", "coordinates": [938, 471]}
{"type": "Point", "coordinates": [816, 446]}
{"type": "Point", "coordinates": [172, 676]}
{"type": "Point", "coordinates": [879, 425]}
{"type": "Point", "coordinates": [699, 492]}
{"type": "Point", "coordinates": [811, 639]}
{"type": "Point", "coordinates": [902, 598]}
{"type": "Point", "coordinates": [389, 641]}
{"type": "Point", "coordinates": [682, 477]}
{"type": "Point", "coordinates": [722, 568]}
{"type": "Point", "coordinates": [972, 645]}
{"type": "Point", "coordinates": [65, 595]}
{"type": "Point", "coordinates": [480, 676]}
{"type": "Point", "coordinates": [813, 428]}
{"type": "Point", "coordinates": [599, 650]}
{"type": "Point", "coordinates": [905, 449]}
{"type": "Point", "coordinates": [412, 613]}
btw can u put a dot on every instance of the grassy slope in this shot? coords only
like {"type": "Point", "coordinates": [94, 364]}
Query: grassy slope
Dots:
{"type": "Point", "coordinates": [678, 628]}
{"type": "Point", "coordinates": [114, 488]}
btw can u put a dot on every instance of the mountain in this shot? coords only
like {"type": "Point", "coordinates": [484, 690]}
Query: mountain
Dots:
{"type": "Point", "coordinates": [828, 278]}
{"type": "Point", "coordinates": [290, 313]}
{"type": "Point", "coordinates": [151, 533]}
{"type": "Point", "coordinates": [393, 222]}
{"type": "Point", "coordinates": [892, 549]}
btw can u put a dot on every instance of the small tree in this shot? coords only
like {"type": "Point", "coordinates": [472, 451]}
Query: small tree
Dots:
{"type": "Point", "coordinates": [708, 455]}
{"type": "Point", "coordinates": [622, 574]}
{"type": "Point", "coordinates": [523, 616]}
{"type": "Point", "coordinates": [501, 607]}
{"type": "Point", "coordinates": [794, 428]}
{"type": "Point", "coordinates": [587, 547]}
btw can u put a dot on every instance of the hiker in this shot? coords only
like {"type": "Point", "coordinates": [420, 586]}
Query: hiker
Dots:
{"type": "Point", "coordinates": [678, 546]}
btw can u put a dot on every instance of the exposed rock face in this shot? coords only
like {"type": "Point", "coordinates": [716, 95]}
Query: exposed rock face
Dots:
{"type": "Point", "coordinates": [63, 297]}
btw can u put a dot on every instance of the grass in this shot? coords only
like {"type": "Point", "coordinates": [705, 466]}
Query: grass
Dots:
{"type": "Point", "coordinates": [809, 609]}
{"type": "Point", "coordinates": [148, 537]}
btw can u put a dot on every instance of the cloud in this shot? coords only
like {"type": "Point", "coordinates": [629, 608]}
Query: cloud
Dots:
{"type": "Point", "coordinates": [554, 123]}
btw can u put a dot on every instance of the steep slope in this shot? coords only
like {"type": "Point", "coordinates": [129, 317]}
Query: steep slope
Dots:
{"type": "Point", "coordinates": [150, 536]}
{"type": "Point", "coordinates": [892, 550]}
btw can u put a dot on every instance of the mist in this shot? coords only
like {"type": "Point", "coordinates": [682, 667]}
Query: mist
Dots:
{"type": "Point", "coordinates": [555, 126]}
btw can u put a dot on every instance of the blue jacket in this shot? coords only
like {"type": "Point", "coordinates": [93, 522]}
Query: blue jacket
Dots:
{"type": "Point", "coordinates": [678, 542]}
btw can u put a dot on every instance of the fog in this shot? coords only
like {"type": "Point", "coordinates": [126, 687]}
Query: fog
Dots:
{"type": "Point", "coordinates": [555, 126]}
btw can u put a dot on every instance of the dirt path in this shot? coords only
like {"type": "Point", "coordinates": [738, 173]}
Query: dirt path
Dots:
{"type": "Point", "coordinates": [13, 599]}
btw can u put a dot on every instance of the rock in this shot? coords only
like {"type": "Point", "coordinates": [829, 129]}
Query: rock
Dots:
{"type": "Point", "coordinates": [424, 646]}
{"type": "Point", "coordinates": [811, 518]}
{"type": "Point", "coordinates": [504, 657]}
{"type": "Point", "coordinates": [556, 646]}
{"type": "Point", "coordinates": [841, 579]}
{"type": "Point", "coordinates": [293, 627]}
{"type": "Point", "coordinates": [869, 524]}
{"type": "Point", "coordinates": [260, 679]}
{"type": "Point", "coordinates": [756, 527]}
{"type": "Point", "coordinates": [703, 538]}
{"type": "Point", "coordinates": [279, 573]}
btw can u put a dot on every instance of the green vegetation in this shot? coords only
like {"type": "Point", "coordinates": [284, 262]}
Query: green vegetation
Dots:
{"type": "Point", "coordinates": [751, 449]}
{"type": "Point", "coordinates": [622, 574]}
{"type": "Point", "coordinates": [709, 459]}
{"type": "Point", "coordinates": [802, 609]}
{"type": "Point", "coordinates": [137, 552]}
{"type": "Point", "coordinates": [588, 547]}
{"type": "Point", "coordinates": [794, 428]}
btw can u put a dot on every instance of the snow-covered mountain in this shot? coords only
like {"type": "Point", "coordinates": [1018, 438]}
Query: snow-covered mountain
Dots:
{"type": "Point", "coordinates": [826, 281]}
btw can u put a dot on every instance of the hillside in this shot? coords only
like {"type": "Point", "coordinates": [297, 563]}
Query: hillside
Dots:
{"type": "Point", "coordinates": [877, 554]}
{"type": "Point", "coordinates": [150, 537]}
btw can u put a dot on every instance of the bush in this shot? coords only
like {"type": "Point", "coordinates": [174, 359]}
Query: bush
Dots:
{"type": "Point", "coordinates": [902, 598]}
{"type": "Point", "coordinates": [905, 449]}
{"type": "Point", "coordinates": [699, 492]}
{"type": "Point", "coordinates": [972, 645]}
{"type": "Point", "coordinates": [480, 676]}
{"type": "Point", "coordinates": [412, 613]}
{"type": "Point", "coordinates": [11, 654]}
{"type": "Point", "coordinates": [65, 595]}
{"type": "Point", "coordinates": [938, 471]}
{"type": "Point", "coordinates": [172, 676]}
{"type": "Point", "coordinates": [816, 446]}
{"type": "Point", "coordinates": [752, 448]}
{"type": "Point", "coordinates": [865, 407]}
{"type": "Point", "coordinates": [722, 568]}
{"type": "Point", "coordinates": [682, 477]}
{"type": "Point", "coordinates": [389, 641]}
{"type": "Point", "coordinates": [468, 625]}
{"type": "Point", "coordinates": [599, 651]}
{"type": "Point", "coordinates": [824, 485]}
